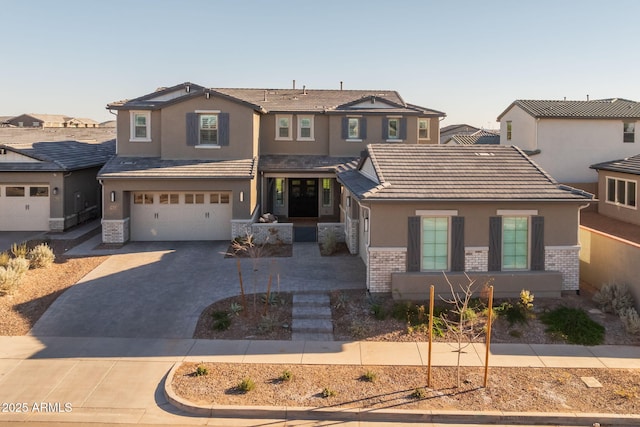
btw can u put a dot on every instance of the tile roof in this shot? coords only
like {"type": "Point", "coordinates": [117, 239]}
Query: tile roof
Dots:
{"type": "Point", "coordinates": [60, 155]}
{"type": "Point", "coordinates": [614, 108]}
{"type": "Point", "coordinates": [630, 165]}
{"type": "Point", "coordinates": [155, 167]}
{"type": "Point", "coordinates": [283, 100]}
{"type": "Point", "coordinates": [303, 163]}
{"type": "Point", "coordinates": [440, 172]}
{"type": "Point", "coordinates": [479, 137]}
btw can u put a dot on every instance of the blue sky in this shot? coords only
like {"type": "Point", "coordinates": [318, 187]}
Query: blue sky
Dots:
{"type": "Point", "coordinates": [470, 59]}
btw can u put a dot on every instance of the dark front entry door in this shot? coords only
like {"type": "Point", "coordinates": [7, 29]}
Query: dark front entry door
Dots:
{"type": "Point", "coordinates": [303, 197]}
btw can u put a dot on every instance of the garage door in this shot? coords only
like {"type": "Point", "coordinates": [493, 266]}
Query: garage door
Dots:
{"type": "Point", "coordinates": [180, 216]}
{"type": "Point", "coordinates": [24, 207]}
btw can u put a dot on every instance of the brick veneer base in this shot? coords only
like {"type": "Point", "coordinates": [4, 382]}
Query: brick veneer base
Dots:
{"type": "Point", "coordinates": [564, 259]}
{"type": "Point", "coordinates": [115, 230]}
{"type": "Point", "coordinates": [383, 262]}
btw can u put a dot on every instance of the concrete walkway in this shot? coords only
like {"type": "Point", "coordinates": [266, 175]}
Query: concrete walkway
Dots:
{"type": "Point", "coordinates": [121, 380]}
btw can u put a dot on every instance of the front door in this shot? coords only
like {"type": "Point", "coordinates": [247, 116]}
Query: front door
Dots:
{"type": "Point", "coordinates": [303, 197]}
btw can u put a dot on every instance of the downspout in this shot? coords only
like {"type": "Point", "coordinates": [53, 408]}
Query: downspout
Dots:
{"type": "Point", "coordinates": [580, 208]}
{"type": "Point", "coordinates": [368, 243]}
{"type": "Point", "coordinates": [101, 201]}
{"type": "Point", "coordinates": [115, 114]}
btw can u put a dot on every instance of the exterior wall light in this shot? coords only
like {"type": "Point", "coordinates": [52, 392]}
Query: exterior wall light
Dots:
{"type": "Point", "coordinates": [55, 191]}
{"type": "Point", "coordinates": [113, 196]}
{"type": "Point", "coordinates": [242, 196]}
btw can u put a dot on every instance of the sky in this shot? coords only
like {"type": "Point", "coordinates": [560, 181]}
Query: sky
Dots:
{"type": "Point", "coordinates": [468, 59]}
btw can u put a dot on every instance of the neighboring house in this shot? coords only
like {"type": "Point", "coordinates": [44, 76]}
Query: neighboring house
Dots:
{"type": "Point", "coordinates": [479, 137]}
{"type": "Point", "coordinates": [566, 137]}
{"type": "Point", "coordinates": [618, 188]}
{"type": "Point", "coordinates": [39, 120]}
{"type": "Point", "coordinates": [4, 121]}
{"type": "Point", "coordinates": [81, 122]}
{"type": "Point", "coordinates": [50, 185]}
{"type": "Point", "coordinates": [108, 124]}
{"type": "Point", "coordinates": [196, 163]}
{"type": "Point", "coordinates": [460, 129]}
{"type": "Point", "coordinates": [413, 212]}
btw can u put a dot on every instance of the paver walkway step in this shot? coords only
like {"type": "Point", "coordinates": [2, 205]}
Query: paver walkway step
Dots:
{"type": "Point", "coordinates": [311, 317]}
{"type": "Point", "coordinates": [311, 312]}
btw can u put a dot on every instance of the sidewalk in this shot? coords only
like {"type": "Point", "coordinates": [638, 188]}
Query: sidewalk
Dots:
{"type": "Point", "coordinates": [121, 380]}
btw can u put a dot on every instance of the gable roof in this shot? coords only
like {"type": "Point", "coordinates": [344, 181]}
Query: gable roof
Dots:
{"type": "Point", "coordinates": [281, 100]}
{"type": "Point", "coordinates": [460, 173]}
{"type": "Point", "coordinates": [479, 137]}
{"type": "Point", "coordinates": [613, 108]}
{"type": "Point", "coordinates": [630, 165]}
{"type": "Point", "coordinates": [59, 155]}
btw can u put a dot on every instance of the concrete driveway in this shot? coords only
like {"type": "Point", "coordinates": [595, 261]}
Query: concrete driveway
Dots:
{"type": "Point", "coordinates": [158, 290]}
{"type": "Point", "coordinates": [8, 238]}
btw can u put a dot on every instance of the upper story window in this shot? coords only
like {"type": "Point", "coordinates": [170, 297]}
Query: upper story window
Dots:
{"type": "Point", "coordinates": [283, 128]}
{"type": "Point", "coordinates": [423, 129]}
{"type": "Point", "coordinates": [509, 130]}
{"type": "Point", "coordinates": [354, 128]}
{"type": "Point", "coordinates": [629, 132]}
{"type": "Point", "coordinates": [305, 128]}
{"type": "Point", "coordinates": [621, 192]}
{"type": "Point", "coordinates": [140, 126]}
{"type": "Point", "coordinates": [208, 129]}
{"type": "Point", "coordinates": [393, 129]}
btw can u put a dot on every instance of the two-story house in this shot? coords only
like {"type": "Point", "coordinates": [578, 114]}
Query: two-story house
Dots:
{"type": "Point", "coordinates": [195, 163]}
{"type": "Point", "coordinates": [566, 137]}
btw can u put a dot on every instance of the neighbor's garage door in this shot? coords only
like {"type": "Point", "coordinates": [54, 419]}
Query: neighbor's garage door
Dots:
{"type": "Point", "coordinates": [180, 216]}
{"type": "Point", "coordinates": [24, 207]}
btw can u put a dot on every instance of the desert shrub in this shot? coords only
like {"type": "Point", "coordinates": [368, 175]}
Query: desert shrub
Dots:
{"type": "Point", "coordinates": [235, 308]}
{"type": "Point", "coordinates": [221, 320]}
{"type": "Point", "coordinates": [268, 323]}
{"type": "Point", "coordinates": [286, 375]}
{"type": "Point", "coordinates": [19, 250]}
{"type": "Point", "coordinates": [419, 393]}
{"type": "Point", "coordinates": [328, 392]}
{"type": "Point", "coordinates": [573, 325]}
{"type": "Point", "coordinates": [526, 299]}
{"type": "Point", "coordinates": [340, 300]}
{"type": "Point", "coordinates": [630, 320]}
{"type": "Point", "coordinates": [370, 376]}
{"type": "Point", "coordinates": [246, 385]}
{"type": "Point", "coordinates": [41, 256]}
{"type": "Point", "coordinates": [613, 297]}
{"type": "Point", "coordinates": [272, 299]}
{"type": "Point", "coordinates": [201, 370]}
{"type": "Point", "coordinates": [4, 259]}
{"type": "Point", "coordinates": [19, 265]}
{"type": "Point", "coordinates": [330, 244]}
{"type": "Point", "coordinates": [512, 313]}
{"type": "Point", "coordinates": [9, 280]}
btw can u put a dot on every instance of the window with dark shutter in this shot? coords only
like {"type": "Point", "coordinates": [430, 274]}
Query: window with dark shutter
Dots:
{"type": "Point", "coordinates": [495, 243]}
{"type": "Point", "coordinates": [537, 243]}
{"type": "Point", "coordinates": [345, 128]}
{"type": "Point", "coordinates": [385, 128]}
{"type": "Point", "coordinates": [403, 128]}
{"type": "Point", "coordinates": [413, 243]}
{"type": "Point", "coordinates": [193, 128]}
{"type": "Point", "coordinates": [457, 243]}
{"type": "Point", "coordinates": [223, 128]}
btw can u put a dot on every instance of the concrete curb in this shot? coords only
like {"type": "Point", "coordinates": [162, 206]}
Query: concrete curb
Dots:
{"type": "Point", "coordinates": [393, 415]}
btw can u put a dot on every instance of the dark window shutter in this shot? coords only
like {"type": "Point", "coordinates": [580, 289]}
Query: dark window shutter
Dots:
{"type": "Point", "coordinates": [413, 244]}
{"type": "Point", "coordinates": [223, 129]}
{"type": "Point", "coordinates": [192, 129]}
{"type": "Point", "coordinates": [363, 128]}
{"type": "Point", "coordinates": [495, 243]}
{"type": "Point", "coordinates": [537, 243]}
{"type": "Point", "coordinates": [385, 128]}
{"type": "Point", "coordinates": [403, 128]}
{"type": "Point", "coordinates": [345, 128]}
{"type": "Point", "coordinates": [457, 243]}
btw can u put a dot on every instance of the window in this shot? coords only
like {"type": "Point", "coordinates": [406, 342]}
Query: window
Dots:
{"type": "Point", "coordinates": [353, 128]}
{"type": "Point", "coordinates": [208, 129]}
{"type": "Point", "coordinates": [393, 129]}
{"type": "Point", "coordinates": [36, 124]}
{"type": "Point", "coordinates": [283, 127]}
{"type": "Point", "coordinates": [326, 192]}
{"type": "Point", "coordinates": [191, 199]}
{"type": "Point", "coordinates": [515, 242]}
{"type": "Point", "coordinates": [142, 198]}
{"type": "Point", "coordinates": [621, 192]}
{"type": "Point", "coordinates": [509, 130]}
{"type": "Point", "coordinates": [305, 128]}
{"type": "Point", "coordinates": [629, 132]}
{"type": "Point", "coordinates": [435, 243]}
{"type": "Point", "coordinates": [140, 126]}
{"type": "Point", "coordinates": [224, 198]}
{"type": "Point", "coordinates": [39, 191]}
{"type": "Point", "coordinates": [215, 198]}
{"type": "Point", "coordinates": [14, 191]}
{"type": "Point", "coordinates": [279, 191]}
{"type": "Point", "coordinates": [169, 199]}
{"type": "Point", "coordinates": [423, 128]}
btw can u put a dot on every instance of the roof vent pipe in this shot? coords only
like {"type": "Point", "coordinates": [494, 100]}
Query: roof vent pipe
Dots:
{"type": "Point", "coordinates": [304, 89]}
{"type": "Point", "coordinates": [265, 96]}
{"type": "Point", "coordinates": [587, 97]}
{"type": "Point", "coordinates": [187, 88]}
{"type": "Point", "coordinates": [340, 85]}
{"type": "Point", "coordinates": [294, 84]}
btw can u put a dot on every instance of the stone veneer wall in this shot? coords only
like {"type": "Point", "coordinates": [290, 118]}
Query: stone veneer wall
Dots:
{"type": "Point", "coordinates": [476, 258]}
{"type": "Point", "coordinates": [272, 232]}
{"type": "Point", "coordinates": [115, 230]}
{"type": "Point", "coordinates": [56, 224]}
{"type": "Point", "coordinates": [566, 260]}
{"type": "Point", "coordinates": [351, 234]}
{"type": "Point", "coordinates": [383, 262]}
{"type": "Point", "coordinates": [324, 228]}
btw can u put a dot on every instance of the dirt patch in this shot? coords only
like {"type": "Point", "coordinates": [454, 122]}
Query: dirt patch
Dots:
{"type": "Point", "coordinates": [38, 290]}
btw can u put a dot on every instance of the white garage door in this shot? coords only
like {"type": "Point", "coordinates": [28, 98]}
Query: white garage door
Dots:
{"type": "Point", "coordinates": [24, 207]}
{"type": "Point", "coordinates": [180, 216]}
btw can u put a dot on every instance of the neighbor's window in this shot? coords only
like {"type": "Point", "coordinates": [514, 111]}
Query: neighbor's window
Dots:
{"type": "Point", "coordinates": [279, 191]}
{"type": "Point", "coordinates": [353, 127]}
{"type": "Point", "coordinates": [621, 192]}
{"type": "Point", "coordinates": [629, 132]}
{"type": "Point", "coordinates": [423, 129]}
{"type": "Point", "coordinates": [435, 243]}
{"type": "Point", "coordinates": [326, 192]}
{"type": "Point", "coordinates": [283, 127]}
{"type": "Point", "coordinates": [393, 129]}
{"type": "Point", "coordinates": [140, 126]}
{"type": "Point", "coordinates": [509, 128]}
{"type": "Point", "coordinates": [305, 127]}
{"type": "Point", "coordinates": [515, 242]}
{"type": "Point", "coordinates": [208, 129]}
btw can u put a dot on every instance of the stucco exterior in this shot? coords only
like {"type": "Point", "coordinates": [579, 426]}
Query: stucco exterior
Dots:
{"type": "Point", "coordinates": [629, 214]}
